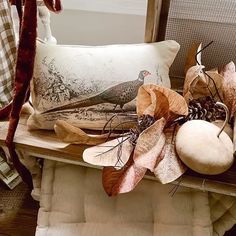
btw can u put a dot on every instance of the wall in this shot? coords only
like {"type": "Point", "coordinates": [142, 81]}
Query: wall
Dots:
{"type": "Point", "coordinates": [90, 27]}
{"type": "Point", "coordinates": [136, 7]}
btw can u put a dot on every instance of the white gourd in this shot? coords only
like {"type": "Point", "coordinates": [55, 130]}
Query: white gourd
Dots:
{"type": "Point", "coordinates": [204, 148]}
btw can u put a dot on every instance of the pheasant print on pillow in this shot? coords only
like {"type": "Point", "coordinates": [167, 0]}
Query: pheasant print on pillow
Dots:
{"type": "Point", "coordinates": [119, 94]}
{"type": "Point", "coordinates": [86, 86]}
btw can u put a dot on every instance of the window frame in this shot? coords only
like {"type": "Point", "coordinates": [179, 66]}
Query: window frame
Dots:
{"type": "Point", "coordinates": [156, 20]}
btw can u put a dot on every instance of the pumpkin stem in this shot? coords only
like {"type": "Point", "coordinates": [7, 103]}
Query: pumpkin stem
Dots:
{"type": "Point", "coordinates": [226, 118]}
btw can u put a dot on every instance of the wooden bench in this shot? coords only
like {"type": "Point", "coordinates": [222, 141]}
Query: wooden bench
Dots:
{"type": "Point", "coordinates": [46, 145]}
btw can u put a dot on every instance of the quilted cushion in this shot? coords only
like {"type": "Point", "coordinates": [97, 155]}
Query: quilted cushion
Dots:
{"type": "Point", "coordinates": [73, 202]}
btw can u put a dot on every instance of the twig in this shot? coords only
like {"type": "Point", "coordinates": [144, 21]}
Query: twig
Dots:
{"type": "Point", "coordinates": [122, 123]}
{"type": "Point", "coordinates": [226, 118]}
{"type": "Point", "coordinates": [217, 92]}
{"type": "Point", "coordinates": [110, 120]}
{"type": "Point", "coordinates": [113, 147]}
{"type": "Point", "coordinates": [175, 188]}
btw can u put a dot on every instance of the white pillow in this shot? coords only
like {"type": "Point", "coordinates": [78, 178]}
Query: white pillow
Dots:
{"type": "Point", "coordinates": [84, 76]}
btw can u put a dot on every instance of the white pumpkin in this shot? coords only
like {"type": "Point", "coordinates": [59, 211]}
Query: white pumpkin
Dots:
{"type": "Point", "coordinates": [201, 150]}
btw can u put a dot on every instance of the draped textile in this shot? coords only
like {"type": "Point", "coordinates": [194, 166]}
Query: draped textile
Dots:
{"type": "Point", "coordinates": [23, 74]}
{"type": "Point", "coordinates": [7, 54]}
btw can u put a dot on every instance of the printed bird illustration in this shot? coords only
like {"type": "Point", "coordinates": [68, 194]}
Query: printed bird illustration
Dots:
{"type": "Point", "coordinates": [119, 94]}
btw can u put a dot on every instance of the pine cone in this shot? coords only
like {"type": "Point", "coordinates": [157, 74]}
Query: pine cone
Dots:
{"type": "Point", "coordinates": [134, 134]}
{"type": "Point", "coordinates": [203, 108]}
{"type": "Point", "coordinates": [145, 121]}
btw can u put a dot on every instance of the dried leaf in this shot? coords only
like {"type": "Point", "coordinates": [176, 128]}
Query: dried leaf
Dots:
{"type": "Point", "coordinates": [229, 93]}
{"type": "Point", "coordinates": [216, 87]}
{"type": "Point", "coordinates": [170, 166]}
{"type": "Point", "coordinates": [150, 102]}
{"type": "Point", "coordinates": [112, 153]}
{"type": "Point", "coordinates": [198, 84]}
{"type": "Point", "coordinates": [234, 136]}
{"type": "Point", "coordinates": [229, 87]}
{"type": "Point", "coordinates": [71, 134]}
{"type": "Point", "coordinates": [193, 76]}
{"type": "Point", "coordinates": [162, 110]}
{"type": "Point", "coordinates": [144, 102]}
{"type": "Point", "coordinates": [123, 180]}
{"type": "Point", "coordinates": [191, 59]}
{"type": "Point", "coordinates": [149, 145]}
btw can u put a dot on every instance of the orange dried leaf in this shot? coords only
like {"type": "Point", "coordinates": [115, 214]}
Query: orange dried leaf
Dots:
{"type": "Point", "coordinates": [162, 110]}
{"type": "Point", "coordinates": [123, 180]}
{"type": "Point", "coordinates": [149, 145]}
{"type": "Point", "coordinates": [159, 106]}
{"type": "Point", "coordinates": [71, 134]}
{"type": "Point", "coordinates": [191, 59]}
{"type": "Point", "coordinates": [170, 167]}
{"type": "Point", "coordinates": [150, 102]}
{"type": "Point", "coordinates": [144, 102]}
{"type": "Point", "coordinates": [229, 87]}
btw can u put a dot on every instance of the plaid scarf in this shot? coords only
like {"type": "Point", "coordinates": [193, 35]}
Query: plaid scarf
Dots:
{"type": "Point", "coordinates": [7, 54]}
{"type": "Point", "coordinates": [23, 74]}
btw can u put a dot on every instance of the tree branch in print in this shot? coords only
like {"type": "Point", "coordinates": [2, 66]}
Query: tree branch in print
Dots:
{"type": "Point", "coordinates": [59, 86]}
{"type": "Point", "coordinates": [56, 89]}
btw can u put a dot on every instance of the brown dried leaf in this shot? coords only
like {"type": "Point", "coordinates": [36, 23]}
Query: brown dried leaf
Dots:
{"type": "Point", "coordinates": [193, 76]}
{"type": "Point", "coordinates": [123, 180]}
{"type": "Point", "coordinates": [229, 87]}
{"type": "Point", "coordinates": [170, 166]}
{"type": "Point", "coordinates": [234, 135]}
{"type": "Point", "coordinates": [197, 84]}
{"type": "Point", "coordinates": [149, 145]}
{"type": "Point", "coordinates": [150, 102]}
{"type": "Point", "coordinates": [190, 59]}
{"type": "Point", "coordinates": [71, 134]}
{"type": "Point", "coordinates": [215, 86]}
{"type": "Point", "coordinates": [229, 93]}
{"type": "Point", "coordinates": [160, 110]}
{"type": "Point", "coordinates": [113, 153]}
{"type": "Point", "coordinates": [144, 102]}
